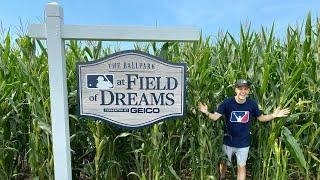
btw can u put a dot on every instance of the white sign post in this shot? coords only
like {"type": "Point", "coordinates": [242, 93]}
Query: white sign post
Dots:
{"type": "Point", "coordinates": [55, 32]}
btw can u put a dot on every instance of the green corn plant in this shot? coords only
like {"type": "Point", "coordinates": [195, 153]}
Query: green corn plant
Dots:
{"type": "Point", "coordinates": [284, 72]}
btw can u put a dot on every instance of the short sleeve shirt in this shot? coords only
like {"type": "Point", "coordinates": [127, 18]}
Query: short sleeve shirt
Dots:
{"type": "Point", "coordinates": [238, 120]}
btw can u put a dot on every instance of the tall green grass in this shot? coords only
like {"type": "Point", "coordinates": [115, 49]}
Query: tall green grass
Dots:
{"type": "Point", "coordinates": [284, 72]}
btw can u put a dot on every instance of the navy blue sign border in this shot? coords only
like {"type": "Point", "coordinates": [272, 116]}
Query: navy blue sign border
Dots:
{"type": "Point", "coordinates": [79, 64]}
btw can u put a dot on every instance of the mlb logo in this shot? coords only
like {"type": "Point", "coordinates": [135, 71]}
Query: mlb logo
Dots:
{"type": "Point", "coordinates": [100, 81]}
{"type": "Point", "coordinates": [239, 116]}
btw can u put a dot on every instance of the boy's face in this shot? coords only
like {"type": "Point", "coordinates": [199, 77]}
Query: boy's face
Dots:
{"type": "Point", "coordinates": [242, 92]}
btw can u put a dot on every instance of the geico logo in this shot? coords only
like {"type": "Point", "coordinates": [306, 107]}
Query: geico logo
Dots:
{"type": "Point", "coordinates": [144, 110]}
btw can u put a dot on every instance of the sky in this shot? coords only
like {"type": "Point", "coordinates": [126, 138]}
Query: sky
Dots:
{"type": "Point", "coordinates": [210, 16]}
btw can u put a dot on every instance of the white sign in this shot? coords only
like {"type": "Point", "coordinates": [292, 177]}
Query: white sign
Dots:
{"type": "Point", "coordinates": [131, 89]}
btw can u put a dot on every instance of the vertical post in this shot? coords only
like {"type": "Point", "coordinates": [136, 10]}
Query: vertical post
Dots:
{"type": "Point", "coordinates": [58, 92]}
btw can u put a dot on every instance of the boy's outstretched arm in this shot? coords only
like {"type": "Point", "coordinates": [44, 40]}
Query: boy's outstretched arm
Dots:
{"type": "Point", "coordinates": [204, 109]}
{"type": "Point", "coordinates": [277, 113]}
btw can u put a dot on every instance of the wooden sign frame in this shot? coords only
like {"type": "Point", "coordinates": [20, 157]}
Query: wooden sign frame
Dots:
{"type": "Point", "coordinates": [55, 32]}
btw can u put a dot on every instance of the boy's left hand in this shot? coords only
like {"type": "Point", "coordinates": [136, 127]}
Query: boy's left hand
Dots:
{"type": "Point", "coordinates": [281, 112]}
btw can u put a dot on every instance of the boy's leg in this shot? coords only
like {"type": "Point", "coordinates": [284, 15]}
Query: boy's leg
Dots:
{"type": "Point", "coordinates": [241, 172]}
{"type": "Point", "coordinates": [242, 155]}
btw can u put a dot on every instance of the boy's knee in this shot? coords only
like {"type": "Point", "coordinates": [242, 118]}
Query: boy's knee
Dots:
{"type": "Point", "coordinates": [241, 175]}
{"type": "Point", "coordinates": [241, 167]}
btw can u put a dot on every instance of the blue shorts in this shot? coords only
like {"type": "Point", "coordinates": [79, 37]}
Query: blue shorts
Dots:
{"type": "Point", "coordinates": [241, 154]}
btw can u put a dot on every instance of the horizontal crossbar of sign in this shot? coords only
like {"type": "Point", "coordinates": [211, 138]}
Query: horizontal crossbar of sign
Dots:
{"type": "Point", "coordinates": [119, 33]}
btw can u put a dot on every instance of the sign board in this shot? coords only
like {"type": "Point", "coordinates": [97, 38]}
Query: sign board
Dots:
{"type": "Point", "coordinates": [55, 32]}
{"type": "Point", "coordinates": [131, 89]}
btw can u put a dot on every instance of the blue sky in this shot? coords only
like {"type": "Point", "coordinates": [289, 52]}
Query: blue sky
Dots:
{"type": "Point", "coordinates": [210, 16]}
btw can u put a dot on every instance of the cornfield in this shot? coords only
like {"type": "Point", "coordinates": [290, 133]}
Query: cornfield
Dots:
{"type": "Point", "coordinates": [285, 72]}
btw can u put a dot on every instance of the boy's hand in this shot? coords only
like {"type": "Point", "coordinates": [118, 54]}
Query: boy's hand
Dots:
{"type": "Point", "coordinates": [203, 107]}
{"type": "Point", "coordinates": [281, 112]}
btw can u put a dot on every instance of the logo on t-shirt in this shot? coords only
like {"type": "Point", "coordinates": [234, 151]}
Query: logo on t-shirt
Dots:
{"type": "Point", "coordinates": [239, 116]}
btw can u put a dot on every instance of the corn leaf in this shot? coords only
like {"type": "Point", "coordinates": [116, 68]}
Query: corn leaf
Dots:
{"type": "Point", "coordinates": [293, 146]}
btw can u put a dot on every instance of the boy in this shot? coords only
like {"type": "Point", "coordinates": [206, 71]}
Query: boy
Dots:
{"type": "Point", "coordinates": [239, 111]}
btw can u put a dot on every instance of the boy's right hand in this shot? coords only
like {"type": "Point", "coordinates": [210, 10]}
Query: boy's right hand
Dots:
{"type": "Point", "coordinates": [203, 107]}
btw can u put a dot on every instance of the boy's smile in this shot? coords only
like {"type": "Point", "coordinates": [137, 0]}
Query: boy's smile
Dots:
{"type": "Point", "coordinates": [242, 94]}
